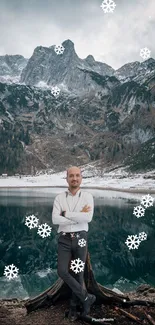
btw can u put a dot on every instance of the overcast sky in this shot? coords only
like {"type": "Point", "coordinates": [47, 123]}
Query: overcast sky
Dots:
{"type": "Point", "coordinates": [114, 38]}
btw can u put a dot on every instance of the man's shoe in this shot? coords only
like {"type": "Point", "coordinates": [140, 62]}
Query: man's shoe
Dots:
{"type": "Point", "coordinates": [72, 315]}
{"type": "Point", "coordinates": [90, 299]}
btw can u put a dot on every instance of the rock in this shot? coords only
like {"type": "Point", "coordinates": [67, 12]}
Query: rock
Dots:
{"type": "Point", "coordinates": [11, 67]}
{"type": "Point", "coordinates": [66, 71]}
{"type": "Point", "coordinates": [142, 288]}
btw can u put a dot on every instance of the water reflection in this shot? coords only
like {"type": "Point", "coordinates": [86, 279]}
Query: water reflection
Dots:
{"type": "Point", "coordinates": [36, 257]}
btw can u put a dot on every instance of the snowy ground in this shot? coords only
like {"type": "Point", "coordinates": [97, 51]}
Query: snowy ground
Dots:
{"type": "Point", "coordinates": [117, 180]}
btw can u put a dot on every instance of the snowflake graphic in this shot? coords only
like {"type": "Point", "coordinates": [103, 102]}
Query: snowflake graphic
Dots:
{"type": "Point", "coordinates": [133, 242]}
{"type": "Point", "coordinates": [145, 53]}
{"type": "Point", "coordinates": [77, 265]}
{"type": "Point", "coordinates": [44, 230]}
{"type": "Point", "coordinates": [11, 271]}
{"type": "Point", "coordinates": [82, 242]}
{"type": "Point", "coordinates": [55, 91]}
{"type": "Point", "coordinates": [59, 49]}
{"type": "Point", "coordinates": [31, 221]}
{"type": "Point", "coordinates": [147, 201]}
{"type": "Point", "coordinates": [142, 235]}
{"type": "Point", "coordinates": [108, 6]}
{"type": "Point", "coordinates": [139, 211]}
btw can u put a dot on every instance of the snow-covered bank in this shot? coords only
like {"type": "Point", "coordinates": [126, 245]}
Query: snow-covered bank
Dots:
{"type": "Point", "coordinates": [138, 183]}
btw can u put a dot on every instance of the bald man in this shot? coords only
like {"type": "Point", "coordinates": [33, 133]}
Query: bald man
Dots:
{"type": "Point", "coordinates": [72, 211]}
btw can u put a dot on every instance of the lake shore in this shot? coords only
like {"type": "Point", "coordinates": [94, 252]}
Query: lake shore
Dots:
{"type": "Point", "coordinates": [13, 311]}
{"type": "Point", "coordinates": [134, 183]}
{"type": "Point", "coordinates": [126, 190]}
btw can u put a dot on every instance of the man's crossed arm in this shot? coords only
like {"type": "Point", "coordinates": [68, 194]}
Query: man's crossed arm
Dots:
{"type": "Point", "coordinates": [85, 215]}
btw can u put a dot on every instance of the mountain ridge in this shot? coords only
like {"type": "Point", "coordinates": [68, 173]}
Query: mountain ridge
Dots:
{"type": "Point", "coordinates": [128, 71]}
{"type": "Point", "coordinates": [95, 116]}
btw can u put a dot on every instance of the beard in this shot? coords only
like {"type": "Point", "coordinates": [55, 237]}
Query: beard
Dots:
{"type": "Point", "coordinates": [74, 185]}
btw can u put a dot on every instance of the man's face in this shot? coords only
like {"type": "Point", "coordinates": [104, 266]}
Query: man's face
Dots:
{"type": "Point", "coordinates": [74, 178]}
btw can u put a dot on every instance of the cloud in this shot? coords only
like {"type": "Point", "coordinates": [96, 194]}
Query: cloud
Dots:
{"type": "Point", "coordinates": [115, 38]}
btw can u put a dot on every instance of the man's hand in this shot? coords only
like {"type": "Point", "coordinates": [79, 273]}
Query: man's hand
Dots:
{"type": "Point", "coordinates": [86, 208]}
{"type": "Point", "coordinates": [63, 213]}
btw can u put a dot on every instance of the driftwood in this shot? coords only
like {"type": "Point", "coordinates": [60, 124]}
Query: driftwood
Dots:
{"type": "Point", "coordinates": [130, 316]}
{"type": "Point", "coordinates": [60, 291]}
{"type": "Point", "coordinates": [150, 319]}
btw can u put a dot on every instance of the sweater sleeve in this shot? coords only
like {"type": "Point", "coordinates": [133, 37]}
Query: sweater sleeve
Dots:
{"type": "Point", "coordinates": [57, 219]}
{"type": "Point", "coordinates": [83, 216]}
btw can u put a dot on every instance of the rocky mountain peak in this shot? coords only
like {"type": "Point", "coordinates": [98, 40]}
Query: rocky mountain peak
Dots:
{"type": "Point", "coordinates": [66, 71]}
{"type": "Point", "coordinates": [90, 59]}
{"type": "Point", "coordinates": [46, 68]}
{"type": "Point", "coordinates": [40, 49]}
{"type": "Point", "coordinates": [68, 44]}
{"type": "Point", "coordinates": [11, 67]}
{"type": "Point", "coordinates": [150, 63]}
{"type": "Point", "coordinates": [136, 71]}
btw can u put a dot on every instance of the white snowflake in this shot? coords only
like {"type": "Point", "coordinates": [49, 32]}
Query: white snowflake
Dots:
{"type": "Point", "coordinates": [145, 53]}
{"type": "Point", "coordinates": [11, 271]}
{"type": "Point", "coordinates": [77, 265]}
{"type": "Point", "coordinates": [142, 235]}
{"type": "Point", "coordinates": [31, 221]}
{"type": "Point", "coordinates": [108, 6]}
{"type": "Point", "coordinates": [44, 230]}
{"type": "Point", "coordinates": [147, 201]}
{"type": "Point", "coordinates": [55, 91]}
{"type": "Point", "coordinates": [133, 242]}
{"type": "Point", "coordinates": [77, 235]}
{"type": "Point", "coordinates": [59, 49]}
{"type": "Point", "coordinates": [82, 242]}
{"type": "Point", "coordinates": [139, 211]}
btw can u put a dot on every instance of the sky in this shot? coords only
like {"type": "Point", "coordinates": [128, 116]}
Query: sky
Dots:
{"type": "Point", "coordinates": [113, 38]}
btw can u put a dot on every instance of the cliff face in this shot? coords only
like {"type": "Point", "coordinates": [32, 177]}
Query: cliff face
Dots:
{"type": "Point", "coordinates": [100, 114]}
{"type": "Point", "coordinates": [11, 67]}
{"type": "Point", "coordinates": [66, 70]}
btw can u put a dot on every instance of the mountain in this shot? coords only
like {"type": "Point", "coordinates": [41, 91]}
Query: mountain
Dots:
{"type": "Point", "coordinates": [144, 157]}
{"type": "Point", "coordinates": [11, 67]}
{"type": "Point", "coordinates": [66, 71]}
{"type": "Point", "coordinates": [136, 71]}
{"type": "Point", "coordinates": [96, 117]}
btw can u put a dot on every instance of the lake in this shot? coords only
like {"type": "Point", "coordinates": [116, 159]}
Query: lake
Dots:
{"type": "Point", "coordinates": [114, 264]}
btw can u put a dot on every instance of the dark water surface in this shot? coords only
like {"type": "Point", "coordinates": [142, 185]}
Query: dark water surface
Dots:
{"type": "Point", "coordinates": [114, 265]}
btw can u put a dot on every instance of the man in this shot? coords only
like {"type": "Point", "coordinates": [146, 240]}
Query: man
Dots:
{"type": "Point", "coordinates": [72, 211]}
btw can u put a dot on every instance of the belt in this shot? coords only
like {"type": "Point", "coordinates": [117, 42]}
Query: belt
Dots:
{"type": "Point", "coordinates": [72, 234]}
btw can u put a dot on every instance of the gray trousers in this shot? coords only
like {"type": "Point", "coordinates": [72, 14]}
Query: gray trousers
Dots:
{"type": "Point", "coordinates": [68, 250]}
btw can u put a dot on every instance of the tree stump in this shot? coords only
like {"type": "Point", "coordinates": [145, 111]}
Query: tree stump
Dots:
{"type": "Point", "coordinates": [60, 291]}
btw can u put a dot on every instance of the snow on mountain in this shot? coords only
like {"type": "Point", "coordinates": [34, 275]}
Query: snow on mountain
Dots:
{"type": "Point", "coordinates": [136, 71]}
{"type": "Point", "coordinates": [67, 70]}
{"type": "Point", "coordinates": [11, 67]}
{"type": "Point", "coordinates": [98, 115]}
{"type": "Point", "coordinates": [45, 68]}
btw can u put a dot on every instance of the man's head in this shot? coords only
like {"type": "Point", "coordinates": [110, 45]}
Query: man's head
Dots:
{"type": "Point", "coordinates": [74, 177]}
